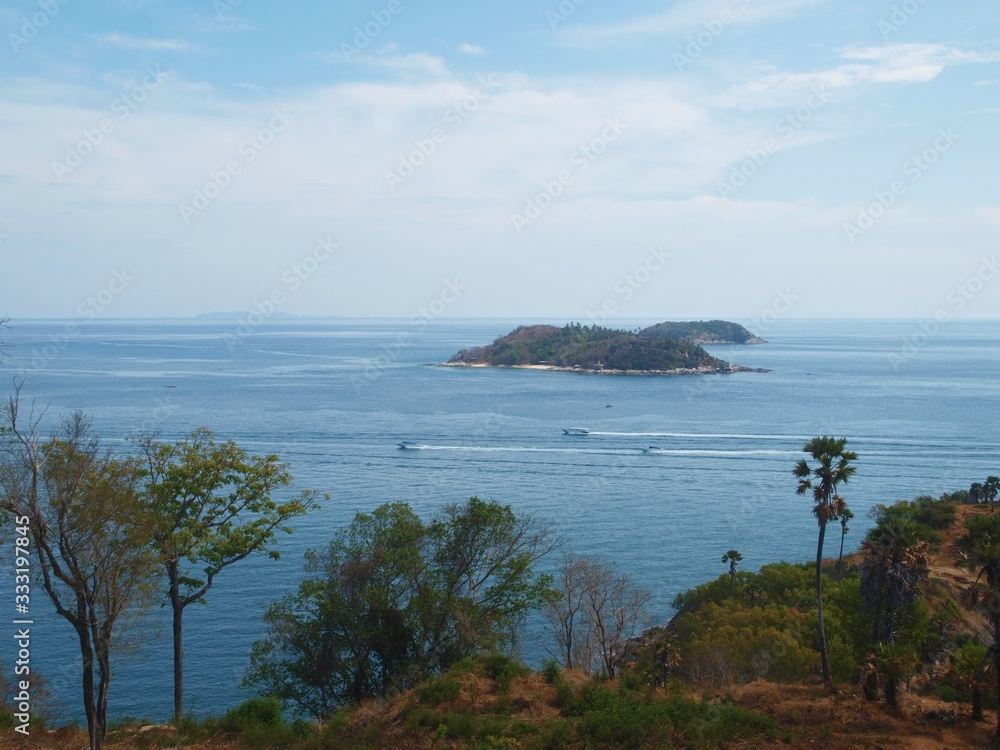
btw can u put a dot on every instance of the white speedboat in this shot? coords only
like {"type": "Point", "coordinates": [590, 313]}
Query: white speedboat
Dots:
{"type": "Point", "coordinates": [653, 449]}
{"type": "Point", "coordinates": [575, 431]}
{"type": "Point", "coordinates": [406, 444]}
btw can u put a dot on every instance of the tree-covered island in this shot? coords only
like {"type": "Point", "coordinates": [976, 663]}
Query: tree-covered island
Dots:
{"type": "Point", "coordinates": [666, 348]}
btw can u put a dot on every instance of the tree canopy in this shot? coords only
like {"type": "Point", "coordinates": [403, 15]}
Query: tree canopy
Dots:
{"type": "Point", "coordinates": [393, 599]}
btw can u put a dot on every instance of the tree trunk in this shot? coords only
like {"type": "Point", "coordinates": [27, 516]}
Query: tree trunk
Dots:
{"type": "Point", "coordinates": [819, 604]}
{"type": "Point", "coordinates": [96, 740]}
{"type": "Point", "coordinates": [178, 613]}
{"type": "Point", "coordinates": [977, 705]}
{"type": "Point", "coordinates": [840, 558]}
{"type": "Point", "coordinates": [891, 687]}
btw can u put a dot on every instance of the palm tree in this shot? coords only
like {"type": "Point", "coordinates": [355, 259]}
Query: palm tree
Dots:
{"type": "Point", "coordinates": [970, 671]}
{"type": "Point", "coordinates": [893, 663]}
{"type": "Point", "coordinates": [980, 553]}
{"type": "Point", "coordinates": [833, 468]}
{"type": "Point", "coordinates": [732, 557]}
{"type": "Point", "coordinates": [976, 492]}
{"type": "Point", "coordinates": [894, 566]}
{"type": "Point", "coordinates": [845, 517]}
{"type": "Point", "coordinates": [990, 488]}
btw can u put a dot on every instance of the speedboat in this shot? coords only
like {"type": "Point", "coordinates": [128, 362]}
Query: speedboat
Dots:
{"type": "Point", "coordinates": [406, 444]}
{"type": "Point", "coordinates": [653, 449]}
{"type": "Point", "coordinates": [575, 431]}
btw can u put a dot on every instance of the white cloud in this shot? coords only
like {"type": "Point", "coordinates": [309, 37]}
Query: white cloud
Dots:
{"type": "Point", "coordinates": [685, 16]}
{"type": "Point", "coordinates": [879, 64]}
{"type": "Point", "coordinates": [471, 49]}
{"type": "Point", "coordinates": [145, 43]}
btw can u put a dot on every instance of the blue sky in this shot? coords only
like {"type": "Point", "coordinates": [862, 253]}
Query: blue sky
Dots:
{"type": "Point", "coordinates": [718, 158]}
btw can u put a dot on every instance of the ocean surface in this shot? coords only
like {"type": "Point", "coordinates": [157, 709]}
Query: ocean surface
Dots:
{"type": "Point", "coordinates": [332, 397]}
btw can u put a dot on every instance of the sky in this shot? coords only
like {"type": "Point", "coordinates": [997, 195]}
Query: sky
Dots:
{"type": "Point", "coordinates": [528, 159]}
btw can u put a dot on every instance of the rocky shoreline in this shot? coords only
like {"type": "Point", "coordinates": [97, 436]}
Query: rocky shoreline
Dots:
{"type": "Point", "coordinates": [705, 370]}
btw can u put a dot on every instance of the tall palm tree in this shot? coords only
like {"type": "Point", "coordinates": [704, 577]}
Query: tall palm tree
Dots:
{"type": "Point", "coordinates": [980, 552]}
{"type": "Point", "coordinates": [732, 557]}
{"type": "Point", "coordinates": [833, 467]}
{"type": "Point", "coordinates": [990, 488]}
{"type": "Point", "coordinates": [845, 518]}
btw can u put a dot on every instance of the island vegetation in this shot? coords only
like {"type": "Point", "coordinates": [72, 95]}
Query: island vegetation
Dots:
{"type": "Point", "coordinates": [597, 349]}
{"type": "Point", "coordinates": [704, 332]}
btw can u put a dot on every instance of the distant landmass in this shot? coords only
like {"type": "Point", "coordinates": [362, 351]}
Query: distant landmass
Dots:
{"type": "Point", "coordinates": [580, 348]}
{"type": "Point", "coordinates": [704, 332]}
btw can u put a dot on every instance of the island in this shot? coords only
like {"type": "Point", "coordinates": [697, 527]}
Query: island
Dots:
{"type": "Point", "coordinates": [704, 332]}
{"type": "Point", "coordinates": [593, 349]}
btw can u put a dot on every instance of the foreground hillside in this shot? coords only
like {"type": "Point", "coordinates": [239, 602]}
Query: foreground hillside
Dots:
{"type": "Point", "coordinates": [596, 349]}
{"type": "Point", "coordinates": [699, 683]}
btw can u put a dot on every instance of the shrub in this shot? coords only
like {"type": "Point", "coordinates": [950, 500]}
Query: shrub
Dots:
{"type": "Point", "coordinates": [259, 712]}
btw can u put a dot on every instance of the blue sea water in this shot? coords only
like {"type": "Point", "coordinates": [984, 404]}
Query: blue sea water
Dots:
{"type": "Point", "coordinates": [332, 397]}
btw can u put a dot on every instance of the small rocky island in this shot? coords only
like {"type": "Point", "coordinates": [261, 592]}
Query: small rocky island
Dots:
{"type": "Point", "coordinates": [663, 349]}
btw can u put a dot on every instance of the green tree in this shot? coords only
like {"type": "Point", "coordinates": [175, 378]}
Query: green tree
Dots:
{"type": "Point", "coordinates": [845, 518]}
{"type": "Point", "coordinates": [79, 508]}
{"type": "Point", "coordinates": [733, 557]}
{"type": "Point", "coordinates": [833, 467]}
{"type": "Point", "coordinates": [976, 494]}
{"type": "Point", "coordinates": [392, 600]}
{"type": "Point", "coordinates": [979, 548]}
{"type": "Point", "coordinates": [892, 662]}
{"type": "Point", "coordinates": [990, 488]}
{"type": "Point", "coordinates": [971, 666]}
{"type": "Point", "coordinates": [210, 505]}
{"type": "Point", "coordinates": [895, 564]}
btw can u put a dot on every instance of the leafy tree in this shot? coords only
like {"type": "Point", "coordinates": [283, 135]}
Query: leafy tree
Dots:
{"type": "Point", "coordinates": [833, 468]}
{"type": "Point", "coordinates": [979, 547]}
{"type": "Point", "coordinates": [392, 600]}
{"type": "Point", "coordinates": [598, 610]}
{"type": "Point", "coordinates": [976, 493]}
{"type": "Point", "coordinates": [210, 506]}
{"type": "Point", "coordinates": [845, 518]}
{"type": "Point", "coordinates": [733, 557]}
{"type": "Point", "coordinates": [79, 507]}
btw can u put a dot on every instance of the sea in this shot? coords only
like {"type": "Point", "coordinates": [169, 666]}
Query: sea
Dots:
{"type": "Point", "coordinates": [918, 402]}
